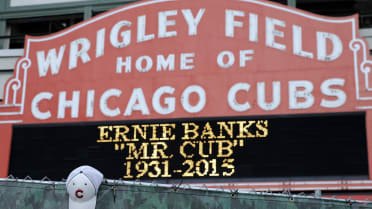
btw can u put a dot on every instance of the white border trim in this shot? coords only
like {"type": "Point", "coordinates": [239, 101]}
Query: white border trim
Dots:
{"type": "Point", "coordinates": [10, 121]}
{"type": "Point", "coordinates": [293, 185]}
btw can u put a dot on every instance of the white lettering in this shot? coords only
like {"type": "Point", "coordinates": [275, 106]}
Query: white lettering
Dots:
{"type": "Point", "coordinates": [35, 105]}
{"type": "Point", "coordinates": [261, 98]}
{"type": "Point", "coordinates": [63, 104]}
{"type": "Point", "coordinates": [164, 23]}
{"type": "Point", "coordinates": [231, 97]}
{"type": "Point", "coordinates": [297, 43]}
{"type": "Point", "coordinates": [90, 104]}
{"type": "Point", "coordinates": [187, 61]}
{"type": "Point", "coordinates": [148, 64]}
{"type": "Point", "coordinates": [100, 42]}
{"type": "Point", "coordinates": [253, 27]}
{"type": "Point", "coordinates": [163, 63]}
{"type": "Point", "coordinates": [244, 58]}
{"type": "Point", "coordinates": [305, 94]}
{"type": "Point", "coordinates": [322, 38]}
{"type": "Point", "coordinates": [231, 23]}
{"type": "Point", "coordinates": [170, 102]}
{"type": "Point", "coordinates": [230, 59]}
{"type": "Point", "coordinates": [141, 30]}
{"type": "Point", "coordinates": [79, 48]}
{"type": "Point", "coordinates": [338, 93]}
{"type": "Point", "coordinates": [103, 103]}
{"type": "Point", "coordinates": [125, 35]}
{"type": "Point", "coordinates": [271, 33]}
{"type": "Point", "coordinates": [137, 102]}
{"type": "Point", "coordinates": [52, 60]}
{"type": "Point", "coordinates": [185, 99]}
{"type": "Point", "coordinates": [120, 64]}
{"type": "Point", "coordinates": [191, 21]}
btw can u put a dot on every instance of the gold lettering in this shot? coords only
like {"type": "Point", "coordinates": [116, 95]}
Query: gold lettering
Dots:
{"type": "Point", "coordinates": [166, 169]}
{"type": "Point", "coordinates": [213, 162]}
{"type": "Point", "coordinates": [167, 131]}
{"type": "Point", "coordinates": [154, 134]}
{"type": "Point", "coordinates": [120, 132]}
{"type": "Point", "coordinates": [155, 165]}
{"type": "Point", "coordinates": [188, 172]}
{"type": "Point", "coordinates": [119, 147]}
{"type": "Point", "coordinates": [228, 164]}
{"type": "Point", "coordinates": [188, 130]}
{"type": "Point", "coordinates": [182, 149]}
{"type": "Point", "coordinates": [201, 148]}
{"type": "Point", "coordinates": [199, 169]}
{"type": "Point", "coordinates": [104, 134]}
{"type": "Point", "coordinates": [207, 130]}
{"type": "Point", "coordinates": [142, 167]}
{"type": "Point", "coordinates": [244, 129]}
{"type": "Point", "coordinates": [210, 146]}
{"type": "Point", "coordinates": [224, 151]}
{"type": "Point", "coordinates": [128, 170]}
{"type": "Point", "coordinates": [264, 128]}
{"type": "Point", "coordinates": [229, 130]}
{"type": "Point", "coordinates": [157, 150]}
{"type": "Point", "coordinates": [137, 129]}
{"type": "Point", "coordinates": [140, 153]}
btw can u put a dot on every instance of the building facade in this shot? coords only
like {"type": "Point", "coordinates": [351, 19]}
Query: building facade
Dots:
{"type": "Point", "coordinates": [19, 18]}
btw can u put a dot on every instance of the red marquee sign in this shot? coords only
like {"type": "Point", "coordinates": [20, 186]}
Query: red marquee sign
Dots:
{"type": "Point", "coordinates": [168, 59]}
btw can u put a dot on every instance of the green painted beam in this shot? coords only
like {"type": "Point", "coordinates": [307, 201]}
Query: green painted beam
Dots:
{"type": "Point", "coordinates": [291, 3]}
{"type": "Point", "coordinates": [4, 5]}
{"type": "Point", "coordinates": [2, 32]}
{"type": "Point", "coordinates": [62, 9]}
{"type": "Point", "coordinates": [79, 4]}
{"type": "Point", "coordinates": [87, 12]}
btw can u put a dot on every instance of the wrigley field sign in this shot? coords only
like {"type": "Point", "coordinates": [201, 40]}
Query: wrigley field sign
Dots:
{"type": "Point", "coordinates": [192, 89]}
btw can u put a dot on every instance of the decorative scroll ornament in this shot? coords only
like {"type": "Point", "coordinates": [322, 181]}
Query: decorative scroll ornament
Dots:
{"type": "Point", "coordinates": [362, 70]}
